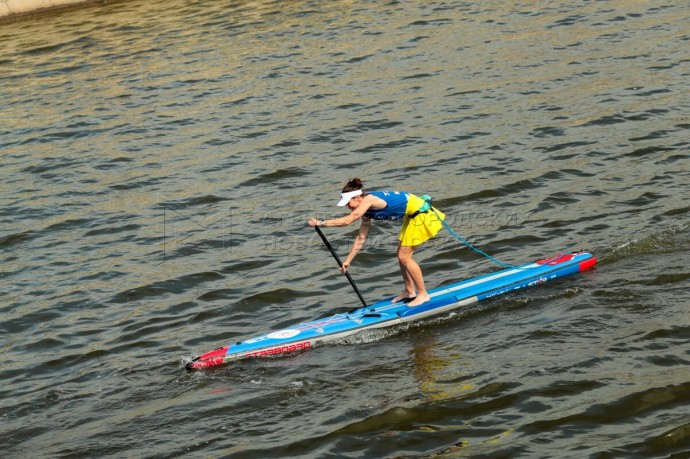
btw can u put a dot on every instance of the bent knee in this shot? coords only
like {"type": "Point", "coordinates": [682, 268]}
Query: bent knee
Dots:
{"type": "Point", "coordinates": [405, 254]}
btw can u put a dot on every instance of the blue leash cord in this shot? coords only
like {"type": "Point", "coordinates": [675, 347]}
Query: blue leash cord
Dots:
{"type": "Point", "coordinates": [461, 239]}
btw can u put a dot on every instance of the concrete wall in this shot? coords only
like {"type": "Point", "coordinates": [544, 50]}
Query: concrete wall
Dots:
{"type": "Point", "coordinates": [10, 8]}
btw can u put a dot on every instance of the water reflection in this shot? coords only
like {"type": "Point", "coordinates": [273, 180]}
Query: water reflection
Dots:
{"type": "Point", "coordinates": [442, 374]}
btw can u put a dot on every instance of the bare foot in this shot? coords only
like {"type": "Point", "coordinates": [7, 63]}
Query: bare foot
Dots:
{"type": "Point", "coordinates": [402, 297]}
{"type": "Point", "coordinates": [421, 299]}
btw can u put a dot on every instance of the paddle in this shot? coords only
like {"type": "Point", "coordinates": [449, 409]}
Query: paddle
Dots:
{"type": "Point", "coordinates": [340, 263]}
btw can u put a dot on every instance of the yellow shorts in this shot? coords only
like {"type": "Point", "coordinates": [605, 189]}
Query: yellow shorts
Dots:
{"type": "Point", "coordinates": [422, 227]}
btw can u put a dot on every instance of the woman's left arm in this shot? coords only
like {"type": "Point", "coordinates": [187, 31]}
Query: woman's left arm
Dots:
{"type": "Point", "coordinates": [358, 245]}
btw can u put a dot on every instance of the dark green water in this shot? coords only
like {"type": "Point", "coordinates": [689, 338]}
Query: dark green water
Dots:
{"type": "Point", "coordinates": [159, 162]}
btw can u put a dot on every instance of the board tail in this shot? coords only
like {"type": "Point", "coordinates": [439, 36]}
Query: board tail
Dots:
{"type": "Point", "coordinates": [564, 257]}
{"type": "Point", "coordinates": [588, 264]}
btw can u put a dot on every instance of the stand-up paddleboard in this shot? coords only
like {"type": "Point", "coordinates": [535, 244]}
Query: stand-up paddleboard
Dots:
{"type": "Point", "coordinates": [307, 335]}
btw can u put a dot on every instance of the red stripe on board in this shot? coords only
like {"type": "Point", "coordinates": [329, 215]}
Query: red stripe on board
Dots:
{"type": "Point", "coordinates": [560, 258]}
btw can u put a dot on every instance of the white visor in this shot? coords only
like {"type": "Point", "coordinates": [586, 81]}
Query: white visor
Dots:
{"type": "Point", "coordinates": [345, 197]}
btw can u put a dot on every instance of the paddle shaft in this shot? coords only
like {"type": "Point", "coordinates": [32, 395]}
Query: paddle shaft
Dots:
{"type": "Point", "coordinates": [340, 263]}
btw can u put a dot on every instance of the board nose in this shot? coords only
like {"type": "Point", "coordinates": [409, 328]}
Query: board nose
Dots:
{"type": "Point", "coordinates": [210, 359]}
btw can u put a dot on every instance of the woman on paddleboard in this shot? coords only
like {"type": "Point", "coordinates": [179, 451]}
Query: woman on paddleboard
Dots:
{"type": "Point", "coordinates": [420, 224]}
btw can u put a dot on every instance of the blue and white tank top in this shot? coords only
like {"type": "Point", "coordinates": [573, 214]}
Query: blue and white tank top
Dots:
{"type": "Point", "coordinates": [396, 208]}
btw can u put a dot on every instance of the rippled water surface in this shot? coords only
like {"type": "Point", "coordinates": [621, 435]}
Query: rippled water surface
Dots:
{"type": "Point", "coordinates": [159, 162]}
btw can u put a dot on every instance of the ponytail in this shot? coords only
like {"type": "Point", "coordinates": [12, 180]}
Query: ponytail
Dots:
{"type": "Point", "coordinates": [353, 185]}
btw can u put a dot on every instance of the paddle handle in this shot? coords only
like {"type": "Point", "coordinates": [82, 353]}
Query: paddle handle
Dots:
{"type": "Point", "coordinates": [340, 263]}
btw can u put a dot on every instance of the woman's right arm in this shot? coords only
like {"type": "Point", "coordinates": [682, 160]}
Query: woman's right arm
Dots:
{"type": "Point", "coordinates": [348, 219]}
